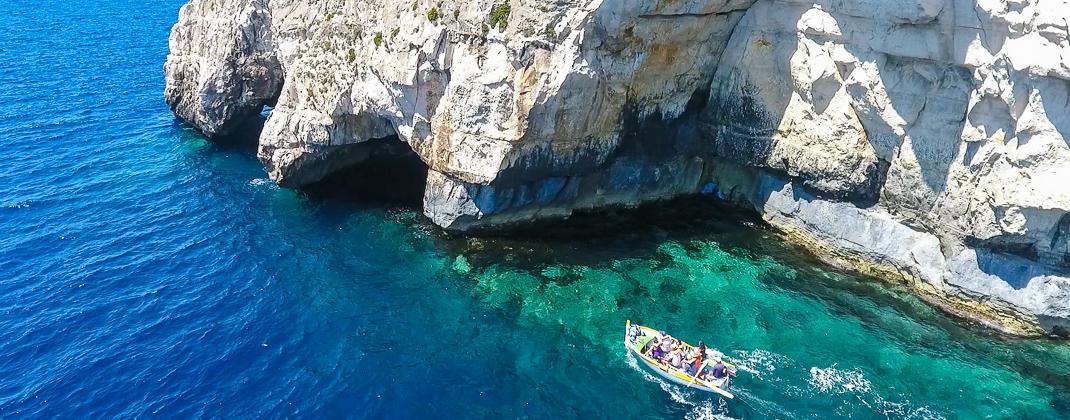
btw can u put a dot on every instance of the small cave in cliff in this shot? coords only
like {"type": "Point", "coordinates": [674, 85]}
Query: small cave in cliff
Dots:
{"type": "Point", "coordinates": [246, 134]}
{"type": "Point", "coordinates": [386, 172]}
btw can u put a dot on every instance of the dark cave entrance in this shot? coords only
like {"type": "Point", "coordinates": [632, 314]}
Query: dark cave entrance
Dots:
{"type": "Point", "coordinates": [384, 171]}
{"type": "Point", "coordinates": [246, 134]}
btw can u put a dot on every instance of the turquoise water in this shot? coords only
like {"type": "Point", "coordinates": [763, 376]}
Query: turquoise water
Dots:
{"type": "Point", "coordinates": [145, 271]}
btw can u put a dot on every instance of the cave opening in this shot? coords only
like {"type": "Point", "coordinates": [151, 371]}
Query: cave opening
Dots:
{"type": "Point", "coordinates": [246, 134]}
{"type": "Point", "coordinates": [380, 172]}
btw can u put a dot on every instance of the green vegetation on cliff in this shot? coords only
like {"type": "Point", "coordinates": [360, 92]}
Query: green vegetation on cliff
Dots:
{"type": "Point", "coordinates": [499, 16]}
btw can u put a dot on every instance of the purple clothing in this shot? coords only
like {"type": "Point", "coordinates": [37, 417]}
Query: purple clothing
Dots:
{"type": "Point", "coordinates": [666, 345]}
{"type": "Point", "coordinates": [720, 370]}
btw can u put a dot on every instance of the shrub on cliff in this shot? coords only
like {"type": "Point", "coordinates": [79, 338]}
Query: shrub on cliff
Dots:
{"type": "Point", "coordinates": [499, 16]}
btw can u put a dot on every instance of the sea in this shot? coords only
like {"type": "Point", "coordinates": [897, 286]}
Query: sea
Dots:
{"type": "Point", "coordinates": [147, 272]}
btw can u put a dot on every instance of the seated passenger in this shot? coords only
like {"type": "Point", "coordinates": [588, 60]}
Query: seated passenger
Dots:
{"type": "Point", "coordinates": [676, 359]}
{"type": "Point", "coordinates": [720, 371]}
{"type": "Point", "coordinates": [666, 346]}
{"type": "Point", "coordinates": [689, 362]}
{"type": "Point", "coordinates": [655, 350]}
{"type": "Point", "coordinates": [667, 342]}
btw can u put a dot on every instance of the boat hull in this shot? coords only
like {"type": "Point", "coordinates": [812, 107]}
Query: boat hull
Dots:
{"type": "Point", "coordinates": [674, 376]}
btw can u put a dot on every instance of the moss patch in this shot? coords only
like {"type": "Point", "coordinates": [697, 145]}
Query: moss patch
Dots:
{"type": "Point", "coordinates": [499, 16]}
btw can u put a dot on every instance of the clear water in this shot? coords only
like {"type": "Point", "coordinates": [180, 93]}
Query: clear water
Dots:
{"type": "Point", "coordinates": [145, 271]}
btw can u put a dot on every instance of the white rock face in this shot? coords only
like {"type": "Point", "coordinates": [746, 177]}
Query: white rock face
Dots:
{"type": "Point", "coordinates": [222, 68]}
{"type": "Point", "coordinates": [946, 116]}
{"type": "Point", "coordinates": [543, 93]}
{"type": "Point", "coordinates": [940, 128]}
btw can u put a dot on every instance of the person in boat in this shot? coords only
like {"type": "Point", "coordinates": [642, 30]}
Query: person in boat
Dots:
{"type": "Point", "coordinates": [655, 347]}
{"type": "Point", "coordinates": [694, 363]}
{"type": "Point", "coordinates": [665, 347]}
{"type": "Point", "coordinates": [689, 362]}
{"type": "Point", "coordinates": [636, 332]}
{"type": "Point", "coordinates": [676, 358]}
{"type": "Point", "coordinates": [720, 371]}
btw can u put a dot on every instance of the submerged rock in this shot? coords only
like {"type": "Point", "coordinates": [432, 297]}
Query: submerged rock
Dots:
{"type": "Point", "coordinates": [925, 140]}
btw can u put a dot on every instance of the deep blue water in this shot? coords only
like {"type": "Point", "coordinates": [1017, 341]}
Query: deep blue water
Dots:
{"type": "Point", "coordinates": [145, 271]}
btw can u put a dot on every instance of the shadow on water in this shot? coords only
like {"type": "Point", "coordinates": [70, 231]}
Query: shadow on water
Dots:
{"type": "Point", "coordinates": [243, 140]}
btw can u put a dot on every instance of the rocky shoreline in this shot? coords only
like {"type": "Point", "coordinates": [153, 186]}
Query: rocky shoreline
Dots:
{"type": "Point", "coordinates": [921, 141]}
{"type": "Point", "coordinates": [974, 284]}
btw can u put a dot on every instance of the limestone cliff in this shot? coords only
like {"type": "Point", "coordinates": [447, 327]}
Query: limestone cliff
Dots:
{"type": "Point", "coordinates": [925, 141]}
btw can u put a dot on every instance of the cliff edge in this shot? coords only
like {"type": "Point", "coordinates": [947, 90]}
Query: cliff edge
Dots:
{"type": "Point", "coordinates": [922, 141]}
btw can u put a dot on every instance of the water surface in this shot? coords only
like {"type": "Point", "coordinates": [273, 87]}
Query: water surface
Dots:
{"type": "Point", "coordinates": [145, 271]}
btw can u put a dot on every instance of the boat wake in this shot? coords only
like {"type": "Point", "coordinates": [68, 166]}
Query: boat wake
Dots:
{"type": "Point", "coordinates": [838, 381]}
{"type": "Point", "coordinates": [706, 409]}
{"type": "Point", "coordinates": [852, 383]}
{"type": "Point", "coordinates": [678, 394]}
{"type": "Point", "coordinates": [762, 365]}
{"type": "Point", "coordinates": [757, 362]}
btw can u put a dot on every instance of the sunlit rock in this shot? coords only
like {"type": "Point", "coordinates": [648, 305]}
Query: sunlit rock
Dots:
{"type": "Point", "coordinates": [905, 135]}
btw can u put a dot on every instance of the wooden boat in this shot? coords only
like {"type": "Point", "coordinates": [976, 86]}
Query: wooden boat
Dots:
{"type": "Point", "coordinates": [639, 335]}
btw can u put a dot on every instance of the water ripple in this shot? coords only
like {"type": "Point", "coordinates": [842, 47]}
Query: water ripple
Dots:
{"type": "Point", "coordinates": [145, 271]}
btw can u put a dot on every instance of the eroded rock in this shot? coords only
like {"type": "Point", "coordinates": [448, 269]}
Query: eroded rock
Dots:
{"type": "Point", "coordinates": [222, 68]}
{"type": "Point", "coordinates": [923, 138]}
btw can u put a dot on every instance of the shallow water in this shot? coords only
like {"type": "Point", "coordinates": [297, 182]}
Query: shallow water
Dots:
{"type": "Point", "coordinates": [146, 271]}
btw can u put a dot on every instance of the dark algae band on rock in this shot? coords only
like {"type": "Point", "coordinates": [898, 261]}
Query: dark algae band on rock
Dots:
{"type": "Point", "coordinates": [925, 142]}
